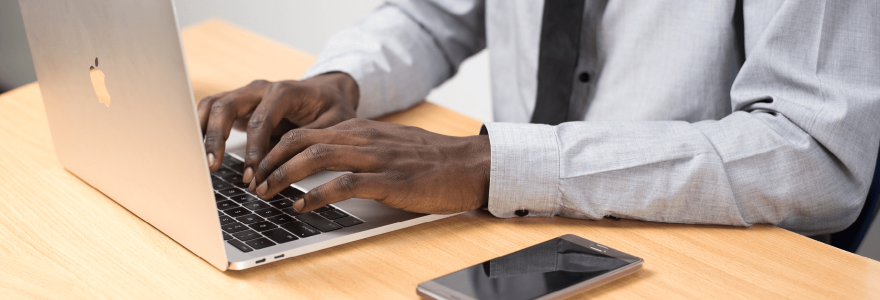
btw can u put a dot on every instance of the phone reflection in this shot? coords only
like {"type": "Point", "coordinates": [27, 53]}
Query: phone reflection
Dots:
{"type": "Point", "coordinates": [532, 272]}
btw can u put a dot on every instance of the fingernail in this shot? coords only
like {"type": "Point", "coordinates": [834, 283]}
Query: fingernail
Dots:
{"type": "Point", "coordinates": [210, 159]}
{"type": "Point", "coordinates": [262, 189]}
{"type": "Point", "coordinates": [248, 175]}
{"type": "Point", "coordinates": [252, 186]}
{"type": "Point", "coordinates": [299, 204]}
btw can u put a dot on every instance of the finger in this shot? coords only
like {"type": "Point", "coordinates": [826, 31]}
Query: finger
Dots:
{"type": "Point", "coordinates": [223, 113]}
{"type": "Point", "coordinates": [325, 120]}
{"type": "Point", "coordinates": [356, 123]}
{"type": "Point", "coordinates": [204, 109]}
{"type": "Point", "coordinates": [315, 159]}
{"type": "Point", "coordinates": [262, 123]}
{"type": "Point", "coordinates": [347, 186]}
{"type": "Point", "coordinates": [295, 141]}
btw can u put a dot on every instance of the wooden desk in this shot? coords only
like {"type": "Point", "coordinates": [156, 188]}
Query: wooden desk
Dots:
{"type": "Point", "coordinates": [60, 238]}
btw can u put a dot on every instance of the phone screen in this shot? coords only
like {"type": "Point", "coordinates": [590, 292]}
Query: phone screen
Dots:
{"type": "Point", "coordinates": [532, 272]}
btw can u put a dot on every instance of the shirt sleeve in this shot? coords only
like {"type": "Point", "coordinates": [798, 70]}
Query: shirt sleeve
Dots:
{"type": "Point", "coordinates": [798, 151]}
{"type": "Point", "coordinates": [403, 49]}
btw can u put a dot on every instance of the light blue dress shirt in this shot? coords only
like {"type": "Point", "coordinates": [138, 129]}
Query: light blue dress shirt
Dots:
{"type": "Point", "coordinates": [695, 111]}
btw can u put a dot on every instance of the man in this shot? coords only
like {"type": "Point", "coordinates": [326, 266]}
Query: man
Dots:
{"type": "Point", "coordinates": [706, 112]}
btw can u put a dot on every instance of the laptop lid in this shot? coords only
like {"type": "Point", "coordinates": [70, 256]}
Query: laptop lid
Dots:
{"type": "Point", "coordinates": [121, 111]}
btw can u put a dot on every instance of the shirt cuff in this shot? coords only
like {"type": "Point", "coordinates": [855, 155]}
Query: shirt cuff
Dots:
{"type": "Point", "coordinates": [524, 179]}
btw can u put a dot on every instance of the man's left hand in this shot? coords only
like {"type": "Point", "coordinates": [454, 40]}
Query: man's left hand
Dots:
{"type": "Point", "coordinates": [400, 166]}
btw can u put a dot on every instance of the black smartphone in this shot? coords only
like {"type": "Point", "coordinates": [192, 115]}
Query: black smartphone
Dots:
{"type": "Point", "coordinates": [550, 270]}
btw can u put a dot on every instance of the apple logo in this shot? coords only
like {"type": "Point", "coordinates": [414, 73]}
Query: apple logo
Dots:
{"type": "Point", "coordinates": [98, 83]}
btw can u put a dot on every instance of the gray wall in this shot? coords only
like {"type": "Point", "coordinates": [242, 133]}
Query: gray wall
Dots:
{"type": "Point", "coordinates": [306, 25]}
{"type": "Point", "coordinates": [16, 68]}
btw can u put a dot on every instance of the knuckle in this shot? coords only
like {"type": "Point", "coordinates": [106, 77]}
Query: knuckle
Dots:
{"type": "Point", "coordinates": [259, 82]}
{"type": "Point", "coordinates": [254, 152]}
{"type": "Point", "coordinates": [263, 168]}
{"type": "Point", "coordinates": [347, 183]}
{"type": "Point", "coordinates": [280, 86]}
{"type": "Point", "coordinates": [206, 101]}
{"type": "Point", "coordinates": [279, 175]}
{"type": "Point", "coordinates": [212, 139]}
{"type": "Point", "coordinates": [316, 196]}
{"type": "Point", "coordinates": [292, 137]}
{"type": "Point", "coordinates": [368, 132]}
{"type": "Point", "coordinates": [319, 151]}
{"type": "Point", "coordinates": [218, 106]}
{"type": "Point", "coordinates": [256, 122]}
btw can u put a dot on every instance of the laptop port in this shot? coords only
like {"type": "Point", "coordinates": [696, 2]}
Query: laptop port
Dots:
{"type": "Point", "coordinates": [261, 261]}
{"type": "Point", "coordinates": [279, 256]}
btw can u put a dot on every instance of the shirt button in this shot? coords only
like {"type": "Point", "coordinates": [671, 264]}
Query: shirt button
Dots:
{"type": "Point", "coordinates": [521, 213]}
{"type": "Point", "coordinates": [584, 77]}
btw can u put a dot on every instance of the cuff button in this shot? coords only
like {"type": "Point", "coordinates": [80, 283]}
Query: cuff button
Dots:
{"type": "Point", "coordinates": [521, 213]}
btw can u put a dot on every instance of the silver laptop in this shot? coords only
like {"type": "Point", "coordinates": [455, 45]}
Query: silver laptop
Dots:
{"type": "Point", "coordinates": [123, 119]}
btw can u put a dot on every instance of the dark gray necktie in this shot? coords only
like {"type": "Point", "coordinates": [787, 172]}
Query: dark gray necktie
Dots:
{"type": "Point", "coordinates": [557, 59]}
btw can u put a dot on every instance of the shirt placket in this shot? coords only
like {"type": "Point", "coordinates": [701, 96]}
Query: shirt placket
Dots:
{"type": "Point", "coordinates": [587, 69]}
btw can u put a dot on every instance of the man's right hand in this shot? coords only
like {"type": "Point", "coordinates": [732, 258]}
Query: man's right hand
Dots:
{"type": "Point", "coordinates": [267, 109]}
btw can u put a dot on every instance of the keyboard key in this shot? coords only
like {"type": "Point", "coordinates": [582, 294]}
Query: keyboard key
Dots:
{"type": "Point", "coordinates": [263, 226]}
{"type": "Point", "coordinates": [249, 219]}
{"type": "Point", "coordinates": [280, 236]}
{"type": "Point", "coordinates": [280, 219]}
{"type": "Point", "coordinates": [220, 185]}
{"type": "Point", "coordinates": [226, 236]}
{"type": "Point", "coordinates": [224, 219]}
{"type": "Point", "coordinates": [286, 203]}
{"type": "Point", "coordinates": [325, 208]}
{"type": "Point", "coordinates": [301, 229]}
{"type": "Point", "coordinates": [235, 166]}
{"type": "Point", "coordinates": [348, 221]}
{"type": "Point", "coordinates": [260, 243]}
{"type": "Point", "coordinates": [237, 212]}
{"type": "Point", "coordinates": [229, 159]}
{"type": "Point", "coordinates": [319, 222]}
{"type": "Point", "coordinates": [234, 227]}
{"type": "Point", "coordinates": [265, 213]}
{"type": "Point", "coordinates": [256, 205]}
{"type": "Point", "coordinates": [290, 211]}
{"type": "Point", "coordinates": [218, 197]}
{"type": "Point", "coordinates": [244, 198]}
{"type": "Point", "coordinates": [240, 184]}
{"type": "Point", "coordinates": [224, 205]}
{"type": "Point", "coordinates": [246, 235]}
{"type": "Point", "coordinates": [241, 246]}
{"type": "Point", "coordinates": [223, 171]}
{"type": "Point", "coordinates": [291, 193]}
{"type": "Point", "coordinates": [333, 214]}
{"type": "Point", "coordinates": [233, 163]}
{"type": "Point", "coordinates": [276, 197]}
{"type": "Point", "coordinates": [230, 192]}
{"type": "Point", "coordinates": [232, 178]}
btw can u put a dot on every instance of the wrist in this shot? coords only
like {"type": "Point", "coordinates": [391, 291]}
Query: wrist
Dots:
{"type": "Point", "coordinates": [342, 82]}
{"type": "Point", "coordinates": [482, 155]}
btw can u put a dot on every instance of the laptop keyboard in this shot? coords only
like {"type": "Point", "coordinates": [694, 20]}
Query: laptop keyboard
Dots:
{"type": "Point", "coordinates": [249, 222]}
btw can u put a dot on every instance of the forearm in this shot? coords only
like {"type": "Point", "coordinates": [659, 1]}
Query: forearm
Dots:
{"type": "Point", "coordinates": [742, 170]}
{"type": "Point", "coordinates": [402, 50]}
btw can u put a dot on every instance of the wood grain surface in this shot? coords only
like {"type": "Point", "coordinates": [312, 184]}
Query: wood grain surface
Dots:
{"type": "Point", "coordinates": [62, 239]}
